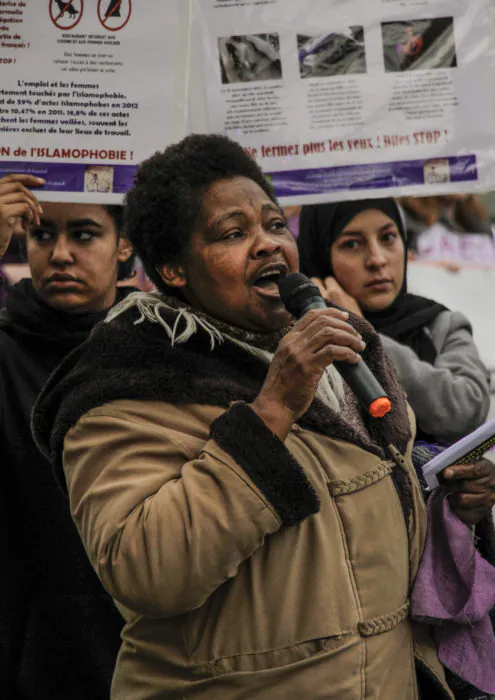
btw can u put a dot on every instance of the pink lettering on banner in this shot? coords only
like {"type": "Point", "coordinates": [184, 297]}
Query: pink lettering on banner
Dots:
{"type": "Point", "coordinates": [469, 248]}
{"type": "Point", "coordinates": [487, 250]}
{"type": "Point", "coordinates": [448, 248]}
{"type": "Point", "coordinates": [438, 244]}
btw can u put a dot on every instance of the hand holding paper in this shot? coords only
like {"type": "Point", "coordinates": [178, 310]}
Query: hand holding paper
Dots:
{"type": "Point", "coordinates": [467, 453]}
{"type": "Point", "coordinates": [472, 489]}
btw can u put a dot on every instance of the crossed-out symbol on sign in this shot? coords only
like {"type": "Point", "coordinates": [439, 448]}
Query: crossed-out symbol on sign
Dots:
{"type": "Point", "coordinates": [59, 9]}
{"type": "Point", "coordinates": [112, 12]}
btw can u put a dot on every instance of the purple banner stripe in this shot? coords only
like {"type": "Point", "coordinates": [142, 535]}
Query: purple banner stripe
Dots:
{"type": "Point", "coordinates": [118, 179]}
{"type": "Point", "coordinates": [375, 176]}
{"type": "Point", "coordinates": [76, 177]}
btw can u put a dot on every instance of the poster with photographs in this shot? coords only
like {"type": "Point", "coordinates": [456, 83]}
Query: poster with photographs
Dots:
{"type": "Point", "coordinates": [351, 98]}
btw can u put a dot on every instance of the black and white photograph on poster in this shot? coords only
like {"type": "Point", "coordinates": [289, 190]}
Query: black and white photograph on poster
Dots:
{"type": "Point", "coordinates": [436, 171]}
{"type": "Point", "coordinates": [98, 178]}
{"type": "Point", "coordinates": [421, 44]}
{"type": "Point", "coordinates": [249, 57]}
{"type": "Point", "coordinates": [335, 53]}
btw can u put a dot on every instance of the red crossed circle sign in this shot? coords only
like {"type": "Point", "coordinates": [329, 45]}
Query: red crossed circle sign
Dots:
{"type": "Point", "coordinates": [114, 14]}
{"type": "Point", "coordinates": [66, 14]}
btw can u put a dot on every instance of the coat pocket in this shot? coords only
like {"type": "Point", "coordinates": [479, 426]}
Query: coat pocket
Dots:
{"type": "Point", "coordinates": [275, 658]}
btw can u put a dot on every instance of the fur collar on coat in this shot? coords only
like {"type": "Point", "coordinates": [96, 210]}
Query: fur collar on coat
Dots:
{"type": "Point", "coordinates": [132, 358]}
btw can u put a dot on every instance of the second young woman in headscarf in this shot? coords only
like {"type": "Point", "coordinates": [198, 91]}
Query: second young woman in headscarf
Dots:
{"type": "Point", "coordinates": [356, 252]}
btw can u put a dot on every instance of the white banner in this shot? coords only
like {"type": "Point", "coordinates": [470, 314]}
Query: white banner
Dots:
{"type": "Point", "coordinates": [340, 99]}
{"type": "Point", "coordinates": [334, 98]}
{"type": "Point", "coordinates": [88, 89]}
{"type": "Point", "coordinates": [467, 290]}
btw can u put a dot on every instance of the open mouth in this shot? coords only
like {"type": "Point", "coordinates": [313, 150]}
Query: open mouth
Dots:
{"type": "Point", "coordinates": [266, 282]}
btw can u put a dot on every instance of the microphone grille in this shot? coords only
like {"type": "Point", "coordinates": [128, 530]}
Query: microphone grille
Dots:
{"type": "Point", "coordinates": [295, 291]}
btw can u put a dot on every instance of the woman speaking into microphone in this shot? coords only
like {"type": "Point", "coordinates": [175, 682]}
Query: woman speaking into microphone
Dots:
{"type": "Point", "coordinates": [258, 531]}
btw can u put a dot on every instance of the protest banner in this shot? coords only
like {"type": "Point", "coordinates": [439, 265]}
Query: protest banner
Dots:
{"type": "Point", "coordinates": [352, 98]}
{"type": "Point", "coordinates": [335, 100]}
{"type": "Point", "coordinates": [438, 244]}
{"type": "Point", "coordinates": [88, 88]}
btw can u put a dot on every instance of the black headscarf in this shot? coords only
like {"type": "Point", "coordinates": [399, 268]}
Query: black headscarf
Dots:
{"type": "Point", "coordinates": [53, 332]}
{"type": "Point", "coordinates": [405, 319]}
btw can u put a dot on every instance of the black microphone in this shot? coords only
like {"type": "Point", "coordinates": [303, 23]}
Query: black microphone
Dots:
{"type": "Point", "coordinates": [300, 295]}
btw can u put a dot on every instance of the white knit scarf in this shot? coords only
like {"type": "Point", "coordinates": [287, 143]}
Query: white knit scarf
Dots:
{"type": "Point", "coordinates": [150, 305]}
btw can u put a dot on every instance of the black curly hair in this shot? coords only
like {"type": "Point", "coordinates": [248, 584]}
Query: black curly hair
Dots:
{"type": "Point", "coordinates": [164, 203]}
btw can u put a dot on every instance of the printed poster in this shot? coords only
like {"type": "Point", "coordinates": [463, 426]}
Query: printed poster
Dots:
{"type": "Point", "coordinates": [341, 99]}
{"type": "Point", "coordinates": [88, 89]}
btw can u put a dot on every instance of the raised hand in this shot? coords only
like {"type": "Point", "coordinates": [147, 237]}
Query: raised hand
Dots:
{"type": "Point", "coordinates": [331, 290]}
{"type": "Point", "coordinates": [18, 206]}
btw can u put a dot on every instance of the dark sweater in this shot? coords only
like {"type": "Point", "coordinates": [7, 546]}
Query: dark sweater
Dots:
{"type": "Point", "coordinates": [59, 630]}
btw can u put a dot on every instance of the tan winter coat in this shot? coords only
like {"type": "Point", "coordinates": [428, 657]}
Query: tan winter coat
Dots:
{"type": "Point", "coordinates": [220, 600]}
{"type": "Point", "coordinates": [245, 568]}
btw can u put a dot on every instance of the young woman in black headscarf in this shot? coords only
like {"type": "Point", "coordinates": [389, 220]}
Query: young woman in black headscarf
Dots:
{"type": "Point", "coordinates": [356, 252]}
{"type": "Point", "coordinates": [59, 629]}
